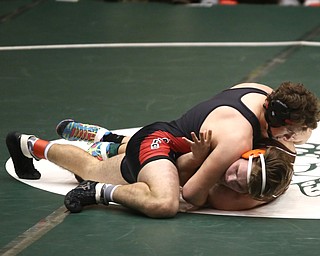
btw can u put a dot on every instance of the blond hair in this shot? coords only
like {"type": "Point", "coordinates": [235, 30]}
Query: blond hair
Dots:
{"type": "Point", "coordinates": [279, 172]}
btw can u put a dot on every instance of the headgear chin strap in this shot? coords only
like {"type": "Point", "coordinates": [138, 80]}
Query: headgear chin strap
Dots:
{"type": "Point", "coordinates": [253, 154]}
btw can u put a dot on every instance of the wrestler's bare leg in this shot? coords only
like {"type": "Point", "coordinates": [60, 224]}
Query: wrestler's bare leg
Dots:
{"type": "Point", "coordinates": [156, 194]}
{"type": "Point", "coordinates": [86, 166]}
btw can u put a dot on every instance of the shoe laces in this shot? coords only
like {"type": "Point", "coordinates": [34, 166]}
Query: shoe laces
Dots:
{"type": "Point", "coordinates": [79, 131]}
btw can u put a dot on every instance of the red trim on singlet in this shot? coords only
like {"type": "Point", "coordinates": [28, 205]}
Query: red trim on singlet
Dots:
{"type": "Point", "coordinates": [161, 143]}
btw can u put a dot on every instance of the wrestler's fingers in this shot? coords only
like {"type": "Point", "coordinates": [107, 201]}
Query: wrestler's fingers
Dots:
{"type": "Point", "coordinates": [195, 138]}
{"type": "Point", "coordinates": [205, 136]}
{"type": "Point", "coordinates": [202, 136]}
{"type": "Point", "coordinates": [209, 135]}
{"type": "Point", "coordinates": [190, 142]}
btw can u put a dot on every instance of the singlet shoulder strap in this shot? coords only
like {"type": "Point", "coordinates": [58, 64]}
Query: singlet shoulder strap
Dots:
{"type": "Point", "coordinates": [246, 90]}
{"type": "Point", "coordinates": [237, 94]}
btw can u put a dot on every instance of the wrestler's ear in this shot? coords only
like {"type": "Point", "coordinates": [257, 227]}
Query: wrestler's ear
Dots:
{"type": "Point", "coordinates": [295, 139]}
{"type": "Point", "coordinates": [289, 136]}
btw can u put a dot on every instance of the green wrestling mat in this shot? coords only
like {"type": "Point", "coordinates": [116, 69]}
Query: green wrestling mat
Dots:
{"type": "Point", "coordinates": [120, 87]}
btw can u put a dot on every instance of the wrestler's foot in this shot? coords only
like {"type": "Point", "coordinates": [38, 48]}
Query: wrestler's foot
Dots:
{"type": "Point", "coordinates": [71, 130]}
{"type": "Point", "coordinates": [86, 193]}
{"type": "Point", "coordinates": [23, 165]}
{"type": "Point", "coordinates": [100, 150]}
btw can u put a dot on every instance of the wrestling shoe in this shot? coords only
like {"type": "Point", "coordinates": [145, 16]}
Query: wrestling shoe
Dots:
{"type": "Point", "coordinates": [84, 194]}
{"type": "Point", "coordinates": [71, 130]}
{"type": "Point", "coordinates": [23, 165]}
{"type": "Point", "coordinates": [100, 150]}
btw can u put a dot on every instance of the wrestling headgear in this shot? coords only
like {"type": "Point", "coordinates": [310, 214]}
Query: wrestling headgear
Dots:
{"type": "Point", "coordinates": [277, 113]}
{"type": "Point", "coordinates": [253, 154]}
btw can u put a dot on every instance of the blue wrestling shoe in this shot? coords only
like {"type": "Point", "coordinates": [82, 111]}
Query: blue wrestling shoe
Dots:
{"type": "Point", "coordinates": [71, 130]}
{"type": "Point", "coordinates": [100, 150]}
{"type": "Point", "coordinates": [23, 165]}
{"type": "Point", "coordinates": [84, 194]}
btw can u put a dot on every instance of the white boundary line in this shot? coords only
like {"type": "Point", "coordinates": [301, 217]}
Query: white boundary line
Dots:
{"type": "Point", "coordinates": [159, 45]}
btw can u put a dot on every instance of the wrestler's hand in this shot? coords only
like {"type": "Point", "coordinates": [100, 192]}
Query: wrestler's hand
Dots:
{"type": "Point", "coordinates": [201, 147]}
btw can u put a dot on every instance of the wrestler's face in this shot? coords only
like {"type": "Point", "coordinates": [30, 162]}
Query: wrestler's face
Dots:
{"type": "Point", "coordinates": [296, 135]}
{"type": "Point", "coordinates": [235, 177]}
{"type": "Point", "coordinates": [301, 136]}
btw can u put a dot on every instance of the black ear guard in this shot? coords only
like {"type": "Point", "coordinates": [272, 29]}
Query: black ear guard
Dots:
{"type": "Point", "coordinates": [277, 113]}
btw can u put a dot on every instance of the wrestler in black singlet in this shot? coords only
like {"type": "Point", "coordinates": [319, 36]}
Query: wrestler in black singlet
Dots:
{"type": "Point", "coordinates": [163, 140]}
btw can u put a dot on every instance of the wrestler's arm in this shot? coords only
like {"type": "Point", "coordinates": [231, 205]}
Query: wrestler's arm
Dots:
{"type": "Point", "coordinates": [188, 163]}
{"type": "Point", "coordinates": [196, 189]}
{"type": "Point", "coordinates": [223, 198]}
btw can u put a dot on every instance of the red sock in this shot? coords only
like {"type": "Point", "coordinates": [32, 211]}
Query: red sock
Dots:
{"type": "Point", "coordinates": [228, 2]}
{"type": "Point", "coordinates": [39, 148]}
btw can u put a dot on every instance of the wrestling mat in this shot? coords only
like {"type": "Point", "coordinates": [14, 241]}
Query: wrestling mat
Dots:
{"type": "Point", "coordinates": [302, 200]}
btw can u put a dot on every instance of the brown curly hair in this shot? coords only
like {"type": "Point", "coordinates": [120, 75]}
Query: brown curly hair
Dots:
{"type": "Point", "coordinates": [303, 104]}
{"type": "Point", "coordinates": [279, 171]}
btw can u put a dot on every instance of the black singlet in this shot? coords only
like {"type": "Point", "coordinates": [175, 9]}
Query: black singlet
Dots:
{"type": "Point", "coordinates": [194, 118]}
{"type": "Point", "coordinates": [143, 146]}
